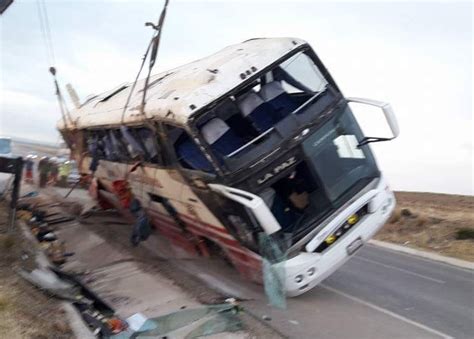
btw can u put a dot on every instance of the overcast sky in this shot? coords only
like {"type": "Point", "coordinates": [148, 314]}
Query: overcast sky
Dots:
{"type": "Point", "coordinates": [417, 56]}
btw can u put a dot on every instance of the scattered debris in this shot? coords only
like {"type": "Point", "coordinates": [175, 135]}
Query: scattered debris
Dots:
{"type": "Point", "coordinates": [51, 284]}
{"type": "Point", "coordinates": [192, 323]}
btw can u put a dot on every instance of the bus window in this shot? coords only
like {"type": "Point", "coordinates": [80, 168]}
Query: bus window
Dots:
{"type": "Point", "coordinates": [221, 138]}
{"type": "Point", "coordinates": [257, 111]}
{"type": "Point", "coordinates": [299, 75]}
{"type": "Point", "coordinates": [149, 142]}
{"type": "Point", "coordinates": [133, 146]}
{"type": "Point", "coordinates": [110, 153]}
{"type": "Point", "coordinates": [187, 151]}
{"type": "Point", "coordinates": [260, 116]}
{"type": "Point", "coordinates": [95, 145]}
{"type": "Point", "coordinates": [119, 146]}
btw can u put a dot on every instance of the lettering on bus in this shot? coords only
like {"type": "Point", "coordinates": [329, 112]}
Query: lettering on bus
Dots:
{"type": "Point", "coordinates": [276, 170]}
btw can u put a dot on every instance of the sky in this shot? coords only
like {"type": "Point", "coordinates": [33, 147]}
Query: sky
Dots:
{"type": "Point", "coordinates": [415, 55]}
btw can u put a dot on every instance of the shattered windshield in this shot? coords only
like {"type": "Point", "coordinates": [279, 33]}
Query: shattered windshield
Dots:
{"type": "Point", "coordinates": [255, 120]}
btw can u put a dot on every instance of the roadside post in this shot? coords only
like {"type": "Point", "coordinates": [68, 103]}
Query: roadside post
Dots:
{"type": "Point", "coordinates": [13, 166]}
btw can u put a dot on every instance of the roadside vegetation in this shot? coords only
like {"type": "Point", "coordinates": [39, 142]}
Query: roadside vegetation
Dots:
{"type": "Point", "coordinates": [25, 312]}
{"type": "Point", "coordinates": [435, 222]}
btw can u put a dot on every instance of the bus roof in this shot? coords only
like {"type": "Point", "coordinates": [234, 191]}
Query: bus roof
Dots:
{"type": "Point", "coordinates": [175, 95]}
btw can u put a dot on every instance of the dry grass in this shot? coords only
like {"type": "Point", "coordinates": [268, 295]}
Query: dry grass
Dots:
{"type": "Point", "coordinates": [25, 312]}
{"type": "Point", "coordinates": [4, 303]}
{"type": "Point", "coordinates": [6, 242]}
{"type": "Point", "coordinates": [434, 222]}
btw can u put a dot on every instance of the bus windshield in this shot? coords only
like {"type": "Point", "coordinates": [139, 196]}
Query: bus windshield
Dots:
{"type": "Point", "coordinates": [326, 169]}
{"type": "Point", "coordinates": [255, 120]}
{"type": "Point", "coordinates": [334, 154]}
{"type": "Point", "coordinates": [5, 146]}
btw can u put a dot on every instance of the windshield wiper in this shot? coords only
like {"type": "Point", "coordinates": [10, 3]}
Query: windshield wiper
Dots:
{"type": "Point", "coordinates": [367, 140]}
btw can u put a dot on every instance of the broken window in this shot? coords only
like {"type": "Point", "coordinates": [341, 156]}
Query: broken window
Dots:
{"type": "Point", "coordinates": [187, 323]}
{"type": "Point", "coordinates": [149, 142]}
{"type": "Point", "coordinates": [188, 153]}
{"type": "Point", "coordinates": [221, 138]}
{"type": "Point", "coordinates": [296, 198]}
{"type": "Point", "coordinates": [119, 146]}
{"type": "Point", "coordinates": [95, 145]}
{"type": "Point", "coordinates": [134, 147]}
{"type": "Point", "coordinates": [256, 118]}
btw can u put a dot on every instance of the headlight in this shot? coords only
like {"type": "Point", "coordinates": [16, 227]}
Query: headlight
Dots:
{"type": "Point", "coordinates": [299, 278]}
{"type": "Point", "coordinates": [311, 271]}
{"type": "Point", "coordinates": [353, 219]}
{"type": "Point", "coordinates": [330, 239]}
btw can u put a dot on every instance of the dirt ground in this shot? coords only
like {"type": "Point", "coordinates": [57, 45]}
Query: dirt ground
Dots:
{"type": "Point", "coordinates": [431, 221]}
{"type": "Point", "coordinates": [25, 312]}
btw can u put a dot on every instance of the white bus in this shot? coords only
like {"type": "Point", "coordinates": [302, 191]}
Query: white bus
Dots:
{"type": "Point", "coordinates": [254, 139]}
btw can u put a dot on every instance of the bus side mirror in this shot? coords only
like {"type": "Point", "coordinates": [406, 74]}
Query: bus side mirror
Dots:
{"type": "Point", "coordinates": [254, 203]}
{"type": "Point", "coordinates": [389, 116]}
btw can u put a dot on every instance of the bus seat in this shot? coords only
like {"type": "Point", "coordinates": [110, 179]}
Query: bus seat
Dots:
{"type": "Point", "coordinates": [189, 153]}
{"type": "Point", "coordinates": [274, 94]}
{"type": "Point", "coordinates": [222, 139]}
{"type": "Point", "coordinates": [260, 113]}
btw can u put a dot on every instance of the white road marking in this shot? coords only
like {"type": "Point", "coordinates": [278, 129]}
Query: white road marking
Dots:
{"type": "Point", "coordinates": [400, 269]}
{"type": "Point", "coordinates": [390, 313]}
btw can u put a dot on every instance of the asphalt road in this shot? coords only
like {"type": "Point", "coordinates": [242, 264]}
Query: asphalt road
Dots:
{"type": "Point", "coordinates": [379, 293]}
{"type": "Point", "coordinates": [437, 295]}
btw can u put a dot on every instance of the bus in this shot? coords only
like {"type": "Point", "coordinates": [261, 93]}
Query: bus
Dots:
{"type": "Point", "coordinates": [5, 147]}
{"type": "Point", "coordinates": [253, 142]}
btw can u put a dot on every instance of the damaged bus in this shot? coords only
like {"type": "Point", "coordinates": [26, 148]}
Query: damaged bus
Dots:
{"type": "Point", "coordinates": [256, 139]}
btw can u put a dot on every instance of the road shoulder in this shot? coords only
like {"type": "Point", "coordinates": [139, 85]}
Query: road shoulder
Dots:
{"type": "Point", "coordinates": [424, 254]}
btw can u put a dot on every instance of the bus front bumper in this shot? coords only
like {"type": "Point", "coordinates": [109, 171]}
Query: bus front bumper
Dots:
{"type": "Point", "coordinates": [306, 270]}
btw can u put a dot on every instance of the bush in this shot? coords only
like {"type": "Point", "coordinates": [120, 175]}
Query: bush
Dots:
{"type": "Point", "coordinates": [395, 217]}
{"type": "Point", "coordinates": [4, 303]}
{"type": "Point", "coordinates": [406, 212]}
{"type": "Point", "coordinates": [7, 242]}
{"type": "Point", "coordinates": [422, 221]}
{"type": "Point", "coordinates": [465, 233]}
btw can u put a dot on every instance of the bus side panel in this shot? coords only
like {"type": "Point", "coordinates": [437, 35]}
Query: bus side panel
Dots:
{"type": "Point", "coordinates": [198, 219]}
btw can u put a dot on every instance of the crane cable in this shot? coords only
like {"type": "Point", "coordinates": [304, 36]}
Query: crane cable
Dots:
{"type": "Point", "coordinates": [46, 31]}
{"type": "Point", "coordinates": [153, 47]}
{"type": "Point", "coordinates": [48, 42]}
{"type": "Point", "coordinates": [155, 43]}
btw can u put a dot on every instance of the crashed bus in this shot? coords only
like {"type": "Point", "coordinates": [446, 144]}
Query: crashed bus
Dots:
{"type": "Point", "coordinates": [256, 139]}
